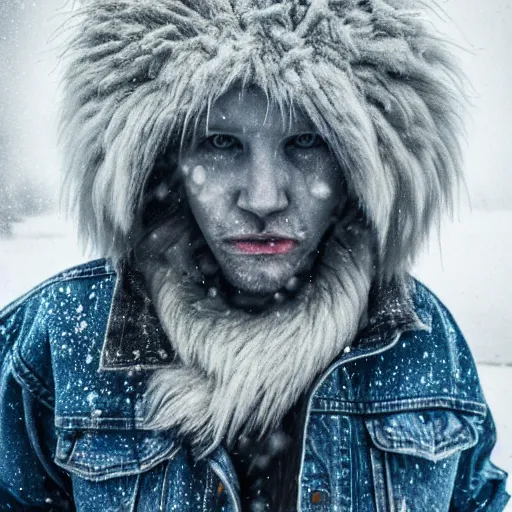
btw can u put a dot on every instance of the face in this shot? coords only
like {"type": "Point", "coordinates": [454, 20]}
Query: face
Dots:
{"type": "Point", "coordinates": [262, 189]}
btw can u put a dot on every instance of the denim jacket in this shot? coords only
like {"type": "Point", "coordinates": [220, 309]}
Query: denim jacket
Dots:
{"type": "Point", "coordinates": [396, 423]}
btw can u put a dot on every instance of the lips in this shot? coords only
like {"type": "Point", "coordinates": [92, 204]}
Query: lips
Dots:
{"type": "Point", "coordinates": [262, 244]}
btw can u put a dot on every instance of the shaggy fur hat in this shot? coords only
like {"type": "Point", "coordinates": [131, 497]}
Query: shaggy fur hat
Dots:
{"type": "Point", "coordinates": [375, 78]}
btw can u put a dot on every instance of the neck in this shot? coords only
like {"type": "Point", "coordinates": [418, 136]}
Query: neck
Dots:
{"type": "Point", "coordinates": [249, 301]}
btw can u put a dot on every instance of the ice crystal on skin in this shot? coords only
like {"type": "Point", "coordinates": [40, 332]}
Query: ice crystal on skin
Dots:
{"type": "Point", "coordinates": [320, 190]}
{"type": "Point", "coordinates": [196, 179]}
{"type": "Point", "coordinates": [199, 175]}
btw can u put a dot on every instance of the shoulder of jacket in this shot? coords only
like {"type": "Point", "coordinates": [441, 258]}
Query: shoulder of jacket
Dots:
{"type": "Point", "coordinates": [96, 269]}
{"type": "Point", "coordinates": [36, 320]}
{"type": "Point", "coordinates": [431, 365]}
{"type": "Point", "coordinates": [433, 312]}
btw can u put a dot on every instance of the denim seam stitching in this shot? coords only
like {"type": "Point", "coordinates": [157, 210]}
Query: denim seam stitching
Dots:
{"type": "Point", "coordinates": [413, 404]}
{"type": "Point", "coordinates": [117, 471]}
{"type": "Point", "coordinates": [379, 480]}
{"type": "Point", "coordinates": [389, 484]}
{"type": "Point", "coordinates": [165, 486]}
{"type": "Point", "coordinates": [135, 495]}
{"type": "Point", "coordinates": [106, 423]}
{"type": "Point", "coordinates": [27, 378]}
{"type": "Point", "coordinates": [446, 451]}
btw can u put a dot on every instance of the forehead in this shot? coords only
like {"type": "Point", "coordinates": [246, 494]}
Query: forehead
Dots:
{"type": "Point", "coordinates": [250, 111]}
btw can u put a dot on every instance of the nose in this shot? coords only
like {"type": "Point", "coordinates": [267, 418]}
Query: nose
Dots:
{"type": "Point", "coordinates": [264, 191]}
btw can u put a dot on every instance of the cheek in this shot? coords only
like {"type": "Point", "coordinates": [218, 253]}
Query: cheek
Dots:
{"type": "Point", "coordinates": [324, 187]}
{"type": "Point", "coordinates": [320, 190]}
{"type": "Point", "coordinates": [206, 183]}
{"type": "Point", "coordinates": [320, 197]}
{"type": "Point", "coordinates": [322, 175]}
{"type": "Point", "coordinates": [195, 178]}
{"type": "Point", "coordinates": [206, 194]}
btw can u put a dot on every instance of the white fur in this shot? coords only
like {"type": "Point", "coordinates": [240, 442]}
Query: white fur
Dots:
{"type": "Point", "coordinates": [373, 76]}
{"type": "Point", "coordinates": [241, 372]}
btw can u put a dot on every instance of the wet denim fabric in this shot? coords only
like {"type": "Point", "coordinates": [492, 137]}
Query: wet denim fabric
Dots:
{"type": "Point", "coordinates": [397, 423]}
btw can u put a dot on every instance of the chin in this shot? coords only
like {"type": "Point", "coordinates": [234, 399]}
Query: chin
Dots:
{"type": "Point", "coordinates": [262, 278]}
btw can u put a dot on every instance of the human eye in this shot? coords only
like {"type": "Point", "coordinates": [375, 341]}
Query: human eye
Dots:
{"type": "Point", "coordinates": [306, 140]}
{"type": "Point", "coordinates": [223, 142]}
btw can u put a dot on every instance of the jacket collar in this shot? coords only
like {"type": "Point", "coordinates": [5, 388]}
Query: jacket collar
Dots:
{"type": "Point", "coordinates": [135, 339]}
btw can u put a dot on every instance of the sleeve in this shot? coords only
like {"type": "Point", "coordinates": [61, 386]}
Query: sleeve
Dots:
{"type": "Point", "coordinates": [29, 479]}
{"type": "Point", "coordinates": [479, 484]}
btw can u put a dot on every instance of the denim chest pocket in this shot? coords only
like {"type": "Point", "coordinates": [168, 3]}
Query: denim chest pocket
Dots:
{"type": "Point", "coordinates": [98, 455]}
{"type": "Point", "coordinates": [415, 456]}
{"type": "Point", "coordinates": [113, 470]}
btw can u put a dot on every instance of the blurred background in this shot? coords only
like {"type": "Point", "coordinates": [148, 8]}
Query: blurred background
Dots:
{"type": "Point", "coordinates": [468, 264]}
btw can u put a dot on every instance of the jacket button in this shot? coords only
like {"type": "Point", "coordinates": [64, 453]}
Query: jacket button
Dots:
{"type": "Point", "coordinates": [317, 497]}
{"type": "Point", "coordinates": [222, 498]}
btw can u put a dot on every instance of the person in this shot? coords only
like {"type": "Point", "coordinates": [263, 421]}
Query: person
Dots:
{"type": "Point", "coordinates": [258, 177]}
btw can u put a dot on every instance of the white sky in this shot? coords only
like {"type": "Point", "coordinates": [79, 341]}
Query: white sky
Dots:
{"type": "Point", "coordinates": [484, 28]}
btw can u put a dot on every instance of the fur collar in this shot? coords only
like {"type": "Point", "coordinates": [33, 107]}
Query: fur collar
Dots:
{"type": "Point", "coordinates": [238, 372]}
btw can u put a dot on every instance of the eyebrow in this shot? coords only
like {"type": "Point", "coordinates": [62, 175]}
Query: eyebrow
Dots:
{"type": "Point", "coordinates": [222, 124]}
{"type": "Point", "coordinates": [300, 127]}
{"type": "Point", "coordinates": [222, 128]}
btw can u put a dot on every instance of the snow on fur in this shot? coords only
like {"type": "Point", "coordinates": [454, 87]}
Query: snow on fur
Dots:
{"type": "Point", "coordinates": [373, 76]}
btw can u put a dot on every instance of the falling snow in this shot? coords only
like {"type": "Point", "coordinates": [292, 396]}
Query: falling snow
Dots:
{"type": "Point", "coordinates": [43, 246]}
{"type": "Point", "coordinates": [321, 190]}
{"type": "Point", "coordinates": [199, 175]}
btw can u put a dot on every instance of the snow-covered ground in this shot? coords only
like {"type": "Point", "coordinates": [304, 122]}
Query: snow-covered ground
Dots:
{"type": "Point", "coordinates": [471, 273]}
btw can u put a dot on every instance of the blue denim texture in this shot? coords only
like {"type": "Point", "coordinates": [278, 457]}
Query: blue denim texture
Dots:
{"type": "Point", "coordinates": [398, 423]}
